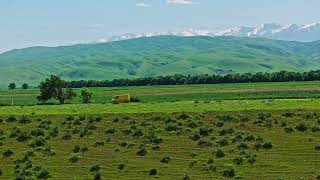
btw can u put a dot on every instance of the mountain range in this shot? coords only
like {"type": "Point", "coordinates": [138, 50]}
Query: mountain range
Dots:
{"type": "Point", "coordinates": [288, 32]}
{"type": "Point", "coordinates": [157, 55]}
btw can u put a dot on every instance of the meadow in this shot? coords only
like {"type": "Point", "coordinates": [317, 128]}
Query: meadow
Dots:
{"type": "Point", "coordinates": [220, 131]}
{"type": "Point", "coordinates": [174, 93]}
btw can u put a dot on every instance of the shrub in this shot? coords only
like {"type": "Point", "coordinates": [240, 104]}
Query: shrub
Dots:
{"type": "Point", "coordinates": [238, 161]}
{"type": "Point", "coordinates": [249, 138]}
{"type": "Point", "coordinates": [76, 149]}
{"type": "Point", "coordinates": [110, 130]}
{"type": "Point", "coordinates": [185, 177]}
{"type": "Point", "coordinates": [192, 163]}
{"type": "Point", "coordinates": [251, 159]}
{"type": "Point", "coordinates": [315, 129]}
{"type": "Point", "coordinates": [137, 133]}
{"type": "Point", "coordinates": [229, 171]}
{"type": "Point", "coordinates": [121, 166]}
{"type": "Point", "coordinates": [204, 131]}
{"type": "Point", "coordinates": [94, 168]}
{"type": "Point", "coordinates": [1, 172]}
{"type": "Point", "coordinates": [195, 137]}
{"type": "Point", "coordinates": [74, 159]}
{"type": "Point", "coordinates": [211, 168]}
{"type": "Point", "coordinates": [11, 118]}
{"type": "Point", "coordinates": [24, 120]}
{"type": "Point", "coordinates": [210, 161]}
{"type": "Point", "coordinates": [243, 146]}
{"type": "Point", "coordinates": [98, 143]}
{"type": "Point", "coordinates": [223, 142]}
{"type": "Point", "coordinates": [38, 142]}
{"type": "Point", "coordinates": [204, 143]}
{"type": "Point", "coordinates": [37, 132]}
{"type": "Point", "coordinates": [43, 174]}
{"type": "Point", "coordinates": [97, 176]}
{"type": "Point", "coordinates": [173, 127]}
{"type": "Point", "coordinates": [302, 127]}
{"type": "Point", "coordinates": [23, 137]}
{"type": "Point", "coordinates": [220, 153]}
{"type": "Point", "coordinates": [317, 147]}
{"type": "Point", "coordinates": [165, 159]}
{"type": "Point", "coordinates": [142, 151]}
{"type": "Point", "coordinates": [134, 99]}
{"type": "Point", "coordinates": [66, 136]}
{"type": "Point", "coordinates": [288, 129]}
{"type": "Point", "coordinates": [7, 153]}
{"type": "Point", "coordinates": [153, 172]}
{"type": "Point", "coordinates": [267, 145]}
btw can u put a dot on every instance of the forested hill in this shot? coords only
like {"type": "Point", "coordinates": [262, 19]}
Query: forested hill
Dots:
{"type": "Point", "coordinates": [154, 56]}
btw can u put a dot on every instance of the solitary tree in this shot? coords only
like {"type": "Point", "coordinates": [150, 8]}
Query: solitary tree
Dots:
{"type": "Point", "coordinates": [25, 86]}
{"type": "Point", "coordinates": [86, 96]}
{"type": "Point", "coordinates": [12, 86]}
{"type": "Point", "coordinates": [53, 87]}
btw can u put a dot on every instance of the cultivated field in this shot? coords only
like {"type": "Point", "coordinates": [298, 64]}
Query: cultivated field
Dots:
{"type": "Point", "coordinates": [246, 131]}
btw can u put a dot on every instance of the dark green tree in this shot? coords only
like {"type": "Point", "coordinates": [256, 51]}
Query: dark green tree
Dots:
{"type": "Point", "coordinates": [53, 88]}
{"type": "Point", "coordinates": [86, 96]}
{"type": "Point", "coordinates": [12, 86]}
{"type": "Point", "coordinates": [25, 86]}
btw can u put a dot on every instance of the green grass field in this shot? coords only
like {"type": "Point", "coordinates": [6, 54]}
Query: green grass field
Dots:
{"type": "Point", "coordinates": [156, 94]}
{"type": "Point", "coordinates": [181, 132]}
{"type": "Point", "coordinates": [178, 145]}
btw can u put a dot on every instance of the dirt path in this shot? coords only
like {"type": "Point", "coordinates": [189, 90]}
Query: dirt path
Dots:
{"type": "Point", "coordinates": [236, 91]}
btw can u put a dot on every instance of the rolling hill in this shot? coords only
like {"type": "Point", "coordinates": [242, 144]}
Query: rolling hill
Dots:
{"type": "Point", "coordinates": [158, 55]}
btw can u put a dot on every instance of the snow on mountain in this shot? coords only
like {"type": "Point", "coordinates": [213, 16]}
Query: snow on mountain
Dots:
{"type": "Point", "coordinates": [288, 32]}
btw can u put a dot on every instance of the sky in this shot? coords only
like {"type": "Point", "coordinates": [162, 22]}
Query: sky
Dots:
{"type": "Point", "coordinates": [25, 23]}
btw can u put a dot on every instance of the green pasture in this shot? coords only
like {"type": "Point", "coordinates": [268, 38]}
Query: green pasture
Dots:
{"type": "Point", "coordinates": [176, 145]}
{"type": "Point", "coordinates": [155, 94]}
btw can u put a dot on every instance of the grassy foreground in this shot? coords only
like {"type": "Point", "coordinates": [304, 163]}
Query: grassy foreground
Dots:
{"type": "Point", "coordinates": [211, 145]}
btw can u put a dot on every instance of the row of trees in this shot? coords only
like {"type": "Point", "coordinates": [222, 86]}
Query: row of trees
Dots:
{"type": "Point", "coordinates": [282, 76]}
{"type": "Point", "coordinates": [14, 86]}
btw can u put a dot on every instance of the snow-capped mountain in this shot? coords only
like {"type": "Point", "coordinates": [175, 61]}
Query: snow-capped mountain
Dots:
{"type": "Point", "coordinates": [288, 32]}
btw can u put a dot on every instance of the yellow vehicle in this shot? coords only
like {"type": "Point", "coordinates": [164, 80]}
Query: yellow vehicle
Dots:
{"type": "Point", "coordinates": [125, 98]}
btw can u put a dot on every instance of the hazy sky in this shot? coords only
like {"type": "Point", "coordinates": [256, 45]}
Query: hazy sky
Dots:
{"type": "Point", "coordinates": [26, 23]}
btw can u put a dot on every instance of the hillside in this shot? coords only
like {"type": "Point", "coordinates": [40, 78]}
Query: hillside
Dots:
{"type": "Point", "coordinates": [159, 55]}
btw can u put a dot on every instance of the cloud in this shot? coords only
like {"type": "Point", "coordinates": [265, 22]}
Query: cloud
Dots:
{"type": "Point", "coordinates": [145, 5]}
{"type": "Point", "coordinates": [183, 2]}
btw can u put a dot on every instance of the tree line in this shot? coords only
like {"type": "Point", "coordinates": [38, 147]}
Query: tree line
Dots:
{"type": "Point", "coordinates": [282, 76]}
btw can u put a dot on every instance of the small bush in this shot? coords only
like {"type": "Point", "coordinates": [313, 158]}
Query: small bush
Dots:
{"type": "Point", "coordinates": [195, 137]}
{"type": "Point", "coordinates": [267, 145]}
{"type": "Point", "coordinates": [134, 99]}
{"type": "Point", "coordinates": [98, 143]}
{"type": "Point", "coordinates": [211, 168]}
{"type": "Point", "coordinates": [243, 146]}
{"type": "Point", "coordinates": [76, 149]}
{"type": "Point", "coordinates": [251, 159]}
{"type": "Point", "coordinates": [172, 127]}
{"type": "Point", "coordinates": [302, 127]}
{"type": "Point", "coordinates": [1, 172]}
{"type": "Point", "coordinates": [110, 130]}
{"type": "Point", "coordinates": [288, 129]}
{"type": "Point", "coordinates": [165, 159]}
{"type": "Point", "coordinates": [94, 168]}
{"type": "Point", "coordinates": [238, 161]}
{"type": "Point", "coordinates": [24, 120]}
{"type": "Point", "coordinates": [11, 118]}
{"type": "Point", "coordinates": [220, 154]}
{"type": "Point", "coordinates": [121, 166]}
{"type": "Point", "coordinates": [317, 147]}
{"type": "Point", "coordinates": [43, 174]}
{"type": "Point", "coordinates": [74, 159]}
{"type": "Point", "coordinates": [97, 176]}
{"type": "Point", "coordinates": [7, 153]}
{"type": "Point", "coordinates": [142, 151]}
{"type": "Point", "coordinates": [204, 143]}
{"type": "Point", "coordinates": [229, 172]}
{"type": "Point", "coordinates": [223, 142]}
{"type": "Point", "coordinates": [153, 172]}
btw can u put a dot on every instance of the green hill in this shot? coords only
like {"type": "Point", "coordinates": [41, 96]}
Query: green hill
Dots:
{"type": "Point", "coordinates": [160, 55]}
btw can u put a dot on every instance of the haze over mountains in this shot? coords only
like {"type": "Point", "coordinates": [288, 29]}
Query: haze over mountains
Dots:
{"type": "Point", "coordinates": [158, 55]}
{"type": "Point", "coordinates": [287, 32]}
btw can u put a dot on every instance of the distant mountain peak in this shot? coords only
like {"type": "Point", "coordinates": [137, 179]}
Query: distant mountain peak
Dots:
{"type": "Point", "coordinates": [288, 32]}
